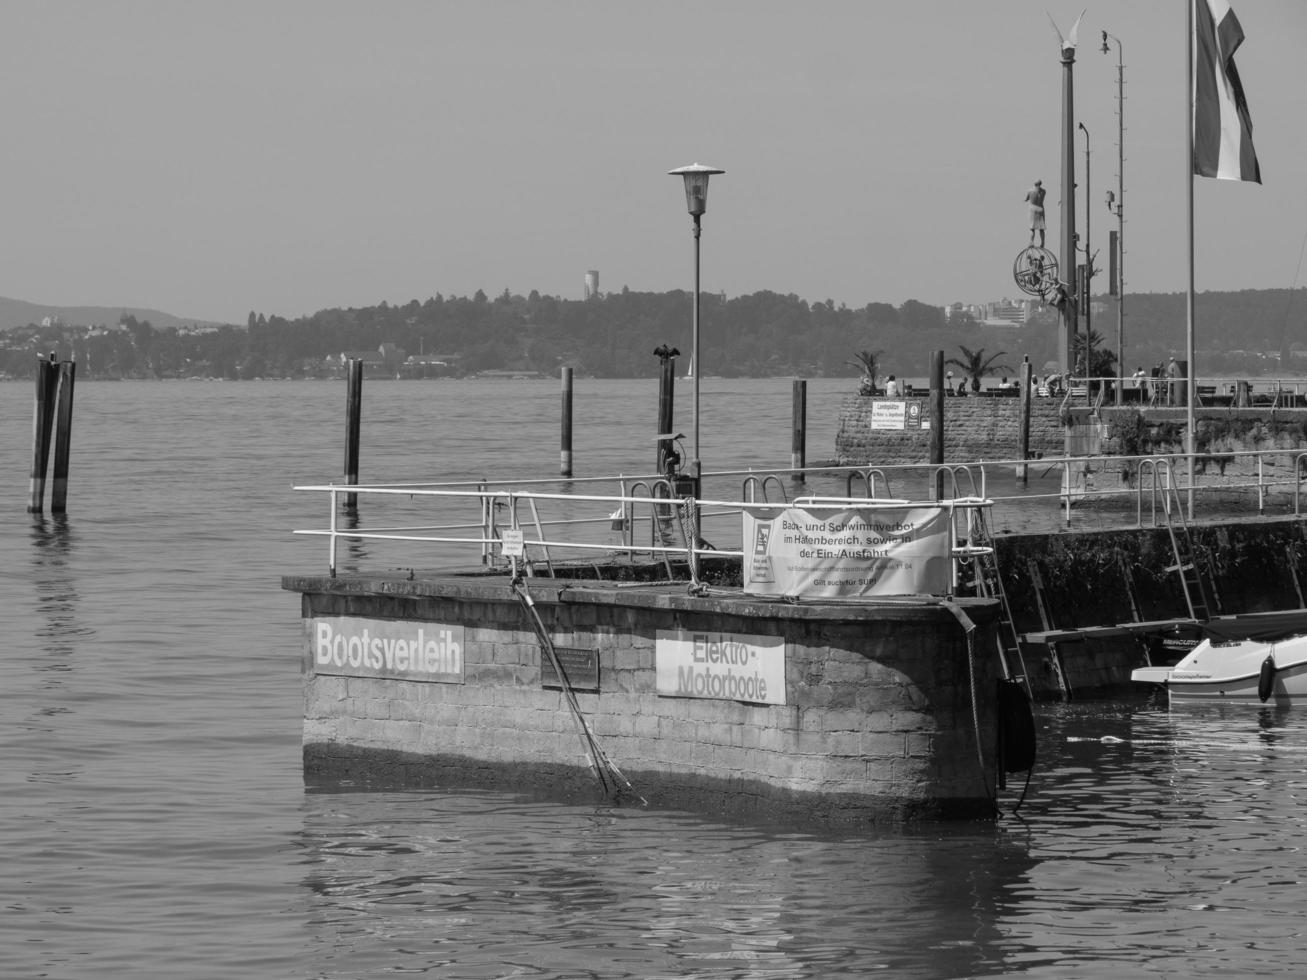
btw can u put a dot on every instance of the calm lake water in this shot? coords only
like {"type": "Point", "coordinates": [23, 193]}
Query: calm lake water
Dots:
{"type": "Point", "coordinates": [154, 821]}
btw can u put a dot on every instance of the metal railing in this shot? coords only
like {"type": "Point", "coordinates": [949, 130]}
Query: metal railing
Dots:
{"type": "Point", "coordinates": [579, 519]}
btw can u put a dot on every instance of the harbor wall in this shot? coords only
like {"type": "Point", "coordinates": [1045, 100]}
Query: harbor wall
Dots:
{"type": "Point", "coordinates": [989, 428]}
{"type": "Point", "coordinates": [879, 720]}
{"type": "Point", "coordinates": [976, 428]}
{"type": "Point", "coordinates": [1080, 580]}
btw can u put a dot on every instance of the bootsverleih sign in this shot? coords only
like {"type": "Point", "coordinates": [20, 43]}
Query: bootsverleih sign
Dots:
{"type": "Point", "coordinates": [839, 552]}
{"type": "Point", "coordinates": [350, 646]}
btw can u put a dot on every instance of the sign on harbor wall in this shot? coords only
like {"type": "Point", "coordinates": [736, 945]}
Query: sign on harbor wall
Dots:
{"type": "Point", "coordinates": [838, 552]}
{"type": "Point", "coordinates": [350, 646]}
{"type": "Point", "coordinates": [724, 666]}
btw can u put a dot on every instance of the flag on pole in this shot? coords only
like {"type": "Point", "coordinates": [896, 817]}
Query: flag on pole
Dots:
{"type": "Point", "coordinates": [1222, 128]}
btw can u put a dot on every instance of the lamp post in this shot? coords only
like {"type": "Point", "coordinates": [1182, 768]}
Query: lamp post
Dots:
{"type": "Point", "coordinates": [696, 199]}
{"type": "Point", "coordinates": [1119, 208]}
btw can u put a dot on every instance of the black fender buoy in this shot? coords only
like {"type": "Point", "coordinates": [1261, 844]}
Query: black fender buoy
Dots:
{"type": "Point", "coordinates": [1016, 723]}
{"type": "Point", "coordinates": [1266, 678]}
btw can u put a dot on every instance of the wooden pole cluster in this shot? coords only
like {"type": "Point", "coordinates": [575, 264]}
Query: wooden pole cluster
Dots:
{"type": "Point", "coordinates": [52, 424]}
{"type": "Point", "coordinates": [353, 414]}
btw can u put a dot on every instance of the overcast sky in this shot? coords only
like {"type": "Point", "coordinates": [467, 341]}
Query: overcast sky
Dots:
{"type": "Point", "coordinates": [213, 158]}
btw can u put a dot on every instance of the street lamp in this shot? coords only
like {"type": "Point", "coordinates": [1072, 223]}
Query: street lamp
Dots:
{"type": "Point", "coordinates": [696, 199]}
{"type": "Point", "coordinates": [1119, 208]}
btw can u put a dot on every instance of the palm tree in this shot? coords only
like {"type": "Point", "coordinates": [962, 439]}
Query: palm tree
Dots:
{"type": "Point", "coordinates": [1102, 362]}
{"type": "Point", "coordinates": [976, 364]}
{"type": "Point", "coordinates": [869, 361]}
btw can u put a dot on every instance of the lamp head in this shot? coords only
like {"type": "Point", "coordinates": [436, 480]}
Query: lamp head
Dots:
{"type": "Point", "coordinates": [1104, 47]}
{"type": "Point", "coordinates": [696, 186]}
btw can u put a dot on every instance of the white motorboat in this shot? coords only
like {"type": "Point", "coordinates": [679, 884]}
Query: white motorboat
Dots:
{"type": "Point", "coordinates": [1243, 660]}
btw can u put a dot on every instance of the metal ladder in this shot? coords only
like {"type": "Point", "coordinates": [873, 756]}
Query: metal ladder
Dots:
{"type": "Point", "coordinates": [989, 584]}
{"type": "Point", "coordinates": [1196, 590]}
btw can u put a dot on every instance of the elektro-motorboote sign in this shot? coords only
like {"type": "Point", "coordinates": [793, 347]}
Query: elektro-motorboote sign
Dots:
{"type": "Point", "coordinates": [722, 666]}
{"type": "Point", "coordinates": [839, 551]}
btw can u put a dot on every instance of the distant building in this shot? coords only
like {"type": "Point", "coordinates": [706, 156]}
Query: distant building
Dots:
{"type": "Point", "coordinates": [592, 284]}
{"type": "Point", "coordinates": [1007, 313]}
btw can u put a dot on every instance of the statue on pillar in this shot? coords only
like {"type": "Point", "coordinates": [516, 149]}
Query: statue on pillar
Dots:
{"type": "Point", "coordinates": [1035, 198]}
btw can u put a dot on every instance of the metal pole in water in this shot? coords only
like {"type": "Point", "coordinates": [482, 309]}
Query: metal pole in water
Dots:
{"type": "Point", "coordinates": [63, 436]}
{"type": "Point", "coordinates": [353, 413]}
{"type": "Point", "coordinates": [42, 419]}
{"type": "Point", "coordinates": [565, 456]}
{"type": "Point", "coordinates": [799, 442]}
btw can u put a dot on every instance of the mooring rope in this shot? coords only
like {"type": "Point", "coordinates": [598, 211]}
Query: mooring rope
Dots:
{"type": "Point", "coordinates": [611, 778]}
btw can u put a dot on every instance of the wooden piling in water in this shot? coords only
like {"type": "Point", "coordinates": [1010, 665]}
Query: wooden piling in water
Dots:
{"type": "Point", "coordinates": [666, 401]}
{"type": "Point", "coordinates": [799, 427]}
{"type": "Point", "coordinates": [937, 414]}
{"type": "Point", "coordinates": [42, 422]}
{"type": "Point", "coordinates": [1023, 445]}
{"type": "Point", "coordinates": [63, 436]}
{"type": "Point", "coordinates": [353, 414]}
{"type": "Point", "coordinates": [565, 453]}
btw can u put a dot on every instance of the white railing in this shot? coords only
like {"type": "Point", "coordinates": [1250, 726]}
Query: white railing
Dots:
{"type": "Point", "coordinates": [579, 519]}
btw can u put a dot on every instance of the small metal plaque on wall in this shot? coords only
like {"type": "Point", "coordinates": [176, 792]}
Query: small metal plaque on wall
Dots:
{"type": "Point", "coordinates": [580, 666]}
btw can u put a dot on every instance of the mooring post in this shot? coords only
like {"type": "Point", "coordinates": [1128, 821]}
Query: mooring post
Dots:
{"type": "Point", "coordinates": [799, 443]}
{"type": "Point", "coordinates": [42, 422]}
{"type": "Point", "coordinates": [565, 456]}
{"type": "Point", "coordinates": [1023, 471]}
{"type": "Point", "coordinates": [353, 413]}
{"type": "Point", "coordinates": [937, 420]}
{"type": "Point", "coordinates": [666, 399]}
{"type": "Point", "coordinates": [63, 436]}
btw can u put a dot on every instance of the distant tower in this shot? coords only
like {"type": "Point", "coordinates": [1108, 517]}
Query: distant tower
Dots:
{"type": "Point", "coordinates": [592, 284]}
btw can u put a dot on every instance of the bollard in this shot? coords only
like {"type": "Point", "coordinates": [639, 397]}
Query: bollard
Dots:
{"type": "Point", "coordinates": [565, 456]}
{"type": "Point", "coordinates": [63, 436]}
{"type": "Point", "coordinates": [799, 441]}
{"type": "Point", "coordinates": [353, 413]}
{"type": "Point", "coordinates": [42, 422]}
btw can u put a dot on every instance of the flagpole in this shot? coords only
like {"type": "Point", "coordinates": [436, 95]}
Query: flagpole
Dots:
{"type": "Point", "coordinates": [1191, 370]}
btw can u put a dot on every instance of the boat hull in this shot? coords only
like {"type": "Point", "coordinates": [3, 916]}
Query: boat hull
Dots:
{"type": "Point", "coordinates": [1243, 672]}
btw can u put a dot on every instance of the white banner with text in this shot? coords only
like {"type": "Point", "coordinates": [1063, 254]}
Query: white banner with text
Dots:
{"type": "Point", "coordinates": [837, 552]}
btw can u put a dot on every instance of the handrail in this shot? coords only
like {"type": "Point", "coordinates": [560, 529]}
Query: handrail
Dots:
{"type": "Point", "coordinates": [1251, 482]}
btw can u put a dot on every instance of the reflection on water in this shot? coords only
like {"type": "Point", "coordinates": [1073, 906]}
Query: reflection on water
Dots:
{"type": "Point", "coordinates": [1150, 839]}
{"type": "Point", "coordinates": [53, 542]}
{"type": "Point", "coordinates": [488, 885]}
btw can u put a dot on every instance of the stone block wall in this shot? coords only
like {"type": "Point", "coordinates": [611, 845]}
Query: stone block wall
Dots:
{"type": "Point", "coordinates": [878, 723]}
{"type": "Point", "coordinates": [975, 428]}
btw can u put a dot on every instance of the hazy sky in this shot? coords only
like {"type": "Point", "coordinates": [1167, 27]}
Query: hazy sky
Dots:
{"type": "Point", "coordinates": [212, 158]}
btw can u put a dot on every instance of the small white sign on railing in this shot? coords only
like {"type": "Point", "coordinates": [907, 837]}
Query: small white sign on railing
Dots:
{"type": "Point", "coordinates": [512, 542]}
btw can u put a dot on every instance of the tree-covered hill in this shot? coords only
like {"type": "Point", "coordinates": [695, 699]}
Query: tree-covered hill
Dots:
{"type": "Point", "coordinates": [764, 333]}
